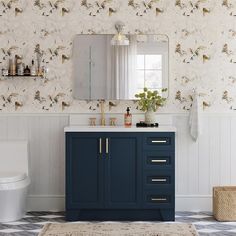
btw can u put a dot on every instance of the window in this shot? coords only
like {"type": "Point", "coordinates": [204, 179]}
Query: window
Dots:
{"type": "Point", "coordinates": [149, 70]}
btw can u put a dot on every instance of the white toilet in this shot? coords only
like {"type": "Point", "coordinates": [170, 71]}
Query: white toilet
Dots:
{"type": "Point", "coordinates": [14, 179]}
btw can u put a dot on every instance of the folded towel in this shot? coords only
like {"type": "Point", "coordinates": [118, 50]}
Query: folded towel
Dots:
{"type": "Point", "coordinates": [195, 119]}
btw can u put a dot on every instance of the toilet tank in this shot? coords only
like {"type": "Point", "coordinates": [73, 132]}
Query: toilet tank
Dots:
{"type": "Point", "coordinates": [14, 156]}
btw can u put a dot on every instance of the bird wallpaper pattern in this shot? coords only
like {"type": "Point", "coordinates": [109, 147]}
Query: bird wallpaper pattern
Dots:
{"type": "Point", "coordinates": [202, 50]}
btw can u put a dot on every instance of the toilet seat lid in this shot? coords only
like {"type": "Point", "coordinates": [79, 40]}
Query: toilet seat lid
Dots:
{"type": "Point", "coordinates": [10, 177]}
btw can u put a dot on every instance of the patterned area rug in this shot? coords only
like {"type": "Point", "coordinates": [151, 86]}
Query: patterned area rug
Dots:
{"type": "Point", "coordinates": [119, 229]}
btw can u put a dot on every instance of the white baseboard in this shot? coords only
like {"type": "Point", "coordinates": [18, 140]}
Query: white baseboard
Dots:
{"type": "Point", "coordinates": [193, 203]}
{"type": "Point", "coordinates": [46, 203]}
{"type": "Point", "coordinates": [57, 203]}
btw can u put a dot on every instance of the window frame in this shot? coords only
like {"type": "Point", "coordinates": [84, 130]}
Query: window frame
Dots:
{"type": "Point", "coordinates": [158, 48]}
{"type": "Point", "coordinates": [144, 70]}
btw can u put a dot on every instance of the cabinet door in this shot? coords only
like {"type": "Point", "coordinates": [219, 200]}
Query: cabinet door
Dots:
{"type": "Point", "coordinates": [122, 170]}
{"type": "Point", "coordinates": [84, 171]}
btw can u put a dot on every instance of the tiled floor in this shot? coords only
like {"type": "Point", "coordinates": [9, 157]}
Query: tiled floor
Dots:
{"type": "Point", "coordinates": [32, 223]}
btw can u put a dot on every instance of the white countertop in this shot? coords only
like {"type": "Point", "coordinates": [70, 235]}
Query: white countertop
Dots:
{"type": "Point", "coordinates": [118, 129]}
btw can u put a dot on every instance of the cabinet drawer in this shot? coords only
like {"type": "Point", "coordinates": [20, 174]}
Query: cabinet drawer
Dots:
{"type": "Point", "coordinates": [159, 141]}
{"type": "Point", "coordinates": [159, 200]}
{"type": "Point", "coordinates": [158, 177]}
{"type": "Point", "coordinates": [158, 159]}
{"type": "Point", "coordinates": [154, 180]}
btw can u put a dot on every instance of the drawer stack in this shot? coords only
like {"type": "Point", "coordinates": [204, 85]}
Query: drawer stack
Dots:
{"type": "Point", "coordinates": [159, 173]}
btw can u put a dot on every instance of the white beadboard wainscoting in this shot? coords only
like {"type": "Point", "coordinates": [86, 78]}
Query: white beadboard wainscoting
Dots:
{"type": "Point", "coordinates": [199, 165]}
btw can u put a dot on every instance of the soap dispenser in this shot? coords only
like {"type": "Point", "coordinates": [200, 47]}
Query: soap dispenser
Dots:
{"type": "Point", "coordinates": [128, 118]}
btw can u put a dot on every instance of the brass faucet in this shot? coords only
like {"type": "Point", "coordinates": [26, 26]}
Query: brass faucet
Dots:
{"type": "Point", "coordinates": [103, 120]}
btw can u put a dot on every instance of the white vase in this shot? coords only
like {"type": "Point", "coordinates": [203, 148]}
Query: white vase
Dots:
{"type": "Point", "coordinates": [150, 117]}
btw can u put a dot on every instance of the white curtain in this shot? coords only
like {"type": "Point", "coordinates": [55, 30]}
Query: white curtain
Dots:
{"type": "Point", "coordinates": [121, 66]}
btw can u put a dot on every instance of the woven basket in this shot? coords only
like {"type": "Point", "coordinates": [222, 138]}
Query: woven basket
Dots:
{"type": "Point", "coordinates": [224, 203]}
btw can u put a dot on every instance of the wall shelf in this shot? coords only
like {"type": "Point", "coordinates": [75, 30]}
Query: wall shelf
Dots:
{"type": "Point", "coordinates": [19, 76]}
{"type": "Point", "coordinates": [7, 76]}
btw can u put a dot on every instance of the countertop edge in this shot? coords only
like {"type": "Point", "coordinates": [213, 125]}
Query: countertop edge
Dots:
{"type": "Point", "coordinates": [134, 129]}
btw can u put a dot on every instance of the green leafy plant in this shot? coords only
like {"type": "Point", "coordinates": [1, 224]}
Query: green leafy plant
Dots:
{"type": "Point", "coordinates": [150, 100]}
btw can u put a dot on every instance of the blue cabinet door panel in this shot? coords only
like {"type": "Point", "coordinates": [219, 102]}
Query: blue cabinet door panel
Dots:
{"type": "Point", "coordinates": [84, 171]}
{"type": "Point", "coordinates": [123, 168]}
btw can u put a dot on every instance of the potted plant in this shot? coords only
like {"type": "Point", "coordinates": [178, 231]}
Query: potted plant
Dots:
{"type": "Point", "coordinates": [149, 102]}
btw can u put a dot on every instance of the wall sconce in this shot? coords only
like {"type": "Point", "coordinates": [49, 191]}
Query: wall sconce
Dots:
{"type": "Point", "coordinates": [120, 39]}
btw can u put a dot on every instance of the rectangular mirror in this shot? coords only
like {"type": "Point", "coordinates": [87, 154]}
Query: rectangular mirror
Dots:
{"type": "Point", "coordinates": [104, 71]}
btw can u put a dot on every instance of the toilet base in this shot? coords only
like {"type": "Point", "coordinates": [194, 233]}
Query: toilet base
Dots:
{"type": "Point", "coordinates": [13, 201]}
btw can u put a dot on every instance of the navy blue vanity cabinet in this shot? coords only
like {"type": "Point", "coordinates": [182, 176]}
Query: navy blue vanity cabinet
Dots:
{"type": "Point", "coordinates": [120, 176]}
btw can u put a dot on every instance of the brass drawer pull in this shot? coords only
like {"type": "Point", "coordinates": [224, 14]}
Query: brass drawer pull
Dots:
{"type": "Point", "coordinates": [158, 199]}
{"type": "Point", "coordinates": [159, 141]}
{"type": "Point", "coordinates": [158, 180]}
{"type": "Point", "coordinates": [107, 145]}
{"type": "Point", "coordinates": [100, 146]}
{"type": "Point", "coordinates": [158, 161]}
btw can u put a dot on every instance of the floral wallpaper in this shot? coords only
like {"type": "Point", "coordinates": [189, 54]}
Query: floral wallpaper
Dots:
{"type": "Point", "coordinates": [202, 46]}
